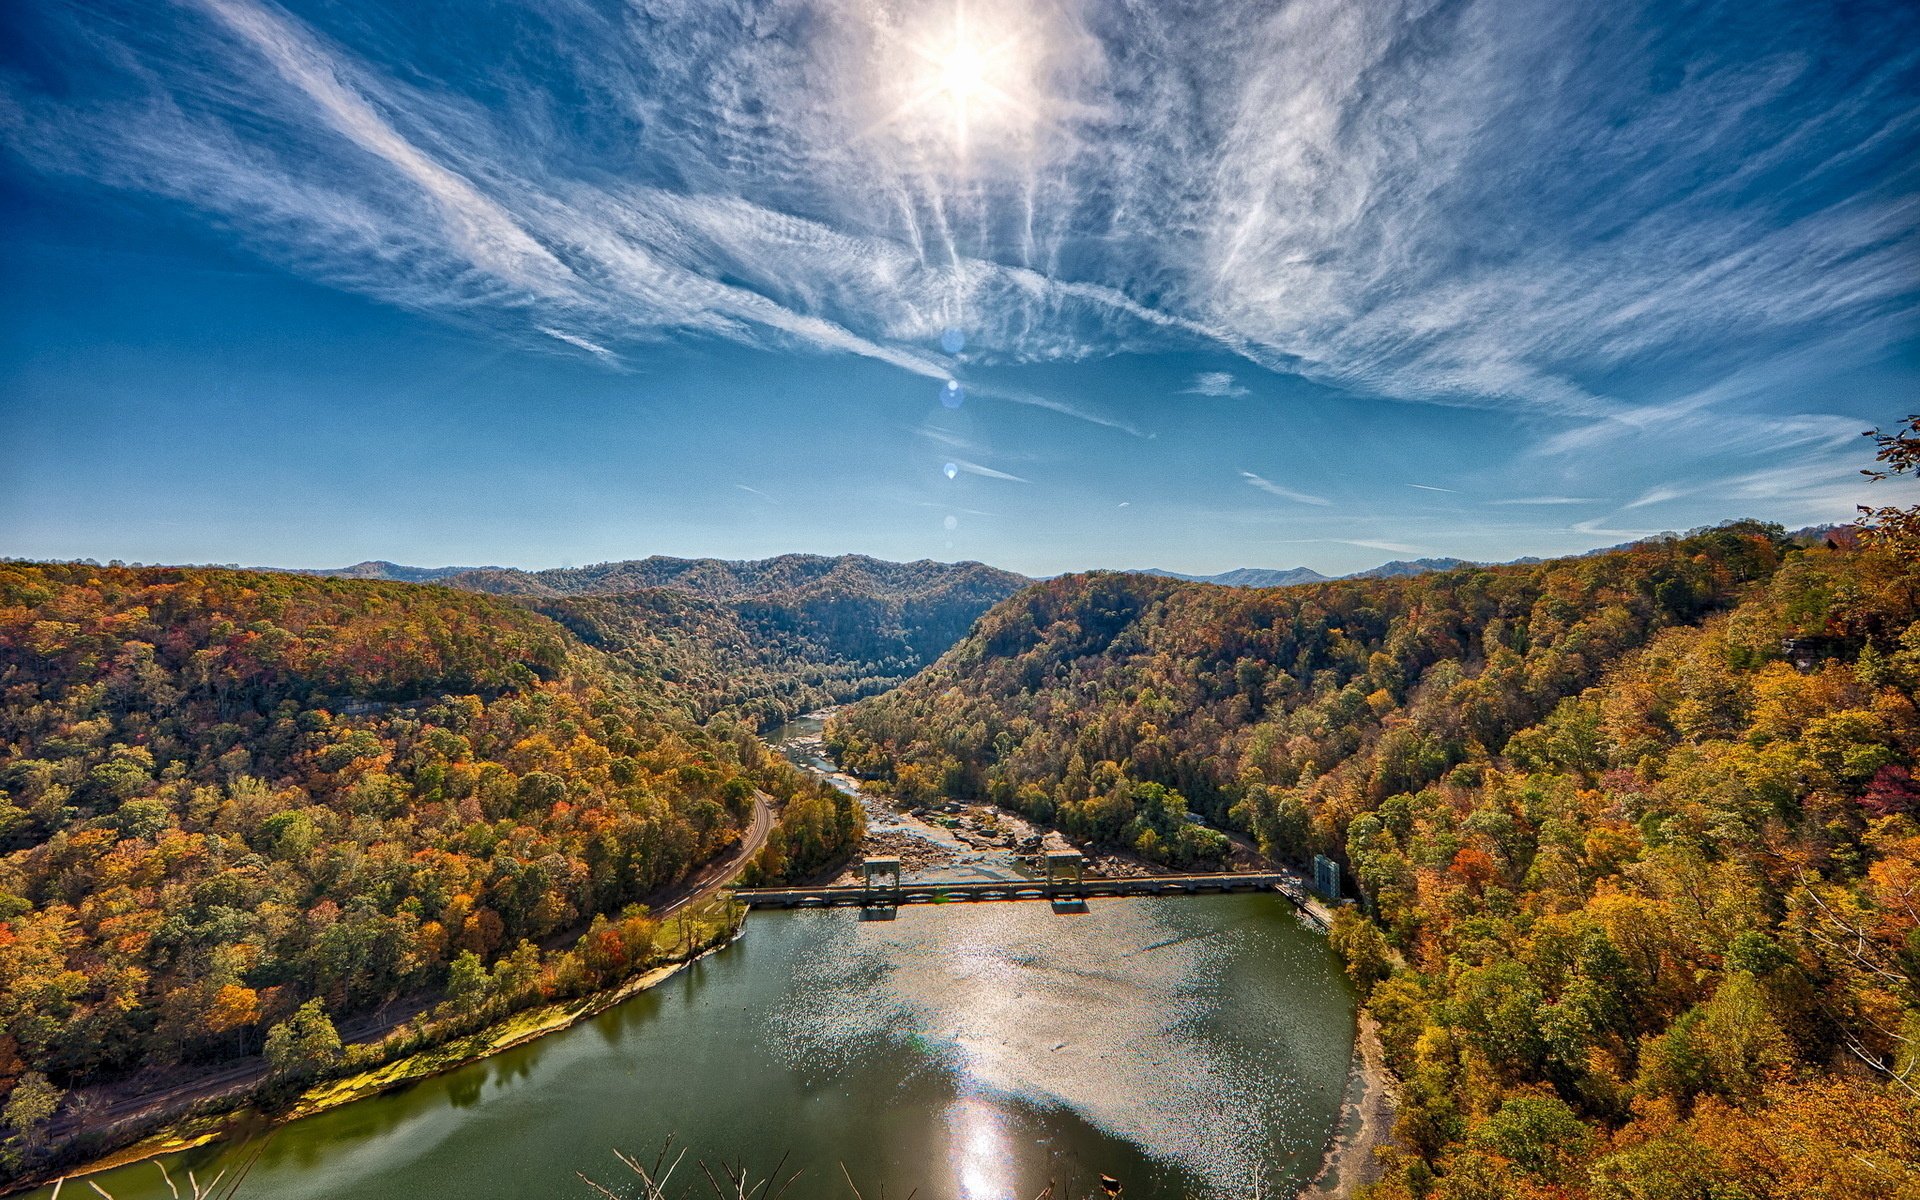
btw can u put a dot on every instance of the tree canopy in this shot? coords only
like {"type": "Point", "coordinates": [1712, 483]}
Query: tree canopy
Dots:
{"type": "Point", "coordinates": [1636, 834]}
{"type": "Point", "coordinates": [237, 807]}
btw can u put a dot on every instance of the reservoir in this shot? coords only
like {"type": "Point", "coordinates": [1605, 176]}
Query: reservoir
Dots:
{"type": "Point", "coordinates": [1192, 1046]}
{"type": "Point", "coordinates": [1186, 1046]}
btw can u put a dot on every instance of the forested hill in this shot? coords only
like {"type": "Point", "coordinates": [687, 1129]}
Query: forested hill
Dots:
{"type": "Point", "coordinates": [765, 640]}
{"type": "Point", "coordinates": [1637, 828]}
{"type": "Point", "coordinates": [714, 578]}
{"type": "Point", "coordinates": [227, 794]}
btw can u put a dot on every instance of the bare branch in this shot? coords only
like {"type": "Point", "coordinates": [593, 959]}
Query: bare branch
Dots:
{"type": "Point", "coordinates": [596, 1187]}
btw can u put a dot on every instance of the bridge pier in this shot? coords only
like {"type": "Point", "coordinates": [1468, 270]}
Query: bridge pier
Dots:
{"type": "Point", "coordinates": [1064, 863]}
{"type": "Point", "coordinates": [874, 897]}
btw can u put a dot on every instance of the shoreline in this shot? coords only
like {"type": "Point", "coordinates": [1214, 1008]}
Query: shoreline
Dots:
{"type": "Point", "coordinates": [1364, 1124]}
{"type": "Point", "coordinates": [1348, 1161]}
{"type": "Point", "coordinates": [190, 1128]}
{"type": "Point", "coordinates": [1352, 1159]}
{"type": "Point", "coordinates": [189, 1132]}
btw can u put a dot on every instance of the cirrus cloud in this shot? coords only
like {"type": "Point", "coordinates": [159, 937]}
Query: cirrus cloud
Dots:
{"type": "Point", "coordinates": [1378, 197]}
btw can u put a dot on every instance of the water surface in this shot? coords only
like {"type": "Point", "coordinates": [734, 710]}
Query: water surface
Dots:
{"type": "Point", "coordinates": [972, 1051]}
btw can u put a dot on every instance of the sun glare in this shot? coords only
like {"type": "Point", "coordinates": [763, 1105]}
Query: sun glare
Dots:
{"type": "Point", "coordinates": [968, 76]}
{"type": "Point", "coordinates": [963, 72]}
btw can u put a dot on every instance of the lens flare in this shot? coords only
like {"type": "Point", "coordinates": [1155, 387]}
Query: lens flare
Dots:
{"type": "Point", "coordinates": [951, 469]}
{"type": "Point", "coordinates": [953, 341]}
{"type": "Point", "coordinates": [970, 75]}
{"type": "Point", "coordinates": [953, 395]}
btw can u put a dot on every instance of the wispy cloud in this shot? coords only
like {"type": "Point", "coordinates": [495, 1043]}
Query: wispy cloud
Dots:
{"type": "Point", "coordinates": [1600, 526]}
{"type": "Point", "coordinates": [484, 231]}
{"type": "Point", "coordinates": [949, 439]}
{"type": "Point", "coordinates": [754, 491]}
{"type": "Point", "coordinates": [1285, 493]}
{"type": "Point", "coordinates": [968, 512]}
{"type": "Point", "coordinates": [1378, 197]}
{"type": "Point", "coordinates": [1389, 547]}
{"type": "Point", "coordinates": [1214, 383]}
{"type": "Point", "coordinates": [1363, 543]}
{"type": "Point", "coordinates": [575, 340]}
{"type": "Point", "coordinates": [1658, 495]}
{"type": "Point", "coordinates": [1427, 487]}
{"type": "Point", "coordinates": [1721, 414]}
{"type": "Point", "coordinates": [1544, 500]}
{"type": "Point", "coordinates": [1053, 404]}
{"type": "Point", "coordinates": [974, 468]}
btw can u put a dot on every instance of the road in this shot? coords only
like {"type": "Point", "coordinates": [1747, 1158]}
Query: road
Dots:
{"type": "Point", "coordinates": [245, 1075]}
{"type": "Point", "coordinates": [717, 875]}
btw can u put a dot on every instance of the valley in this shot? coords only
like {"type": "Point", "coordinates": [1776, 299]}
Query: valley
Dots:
{"type": "Point", "coordinates": [476, 777]}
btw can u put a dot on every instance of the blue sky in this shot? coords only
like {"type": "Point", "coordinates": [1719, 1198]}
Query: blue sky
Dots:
{"type": "Point", "coordinates": [1233, 284]}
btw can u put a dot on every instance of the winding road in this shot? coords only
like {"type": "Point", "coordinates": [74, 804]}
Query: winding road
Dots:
{"type": "Point", "coordinates": [716, 875]}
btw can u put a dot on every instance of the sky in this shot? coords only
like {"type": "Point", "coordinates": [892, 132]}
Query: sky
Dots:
{"type": "Point", "coordinates": [1053, 286]}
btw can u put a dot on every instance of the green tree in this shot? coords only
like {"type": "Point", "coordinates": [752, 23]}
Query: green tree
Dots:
{"type": "Point", "coordinates": [1361, 946]}
{"type": "Point", "coordinates": [468, 983]}
{"type": "Point", "coordinates": [1742, 1042]}
{"type": "Point", "coordinates": [141, 818]}
{"type": "Point", "coordinates": [1539, 1134]}
{"type": "Point", "coordinates": [31, 1106]}
{"type": "Point", "coordinates": [305, 1043]}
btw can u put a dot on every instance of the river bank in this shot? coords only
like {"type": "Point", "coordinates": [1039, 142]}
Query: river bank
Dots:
{"type": "Point", "coordinates": [1010, 995]}
{"type": "Point", "coordinates": [517, 1029]}
{"type": "Point", "coordinates": [1366, 1122]}
{"type": "Point", "coordinates": [974, 840]}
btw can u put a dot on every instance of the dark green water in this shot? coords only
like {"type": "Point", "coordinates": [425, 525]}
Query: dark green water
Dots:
{"type": "Point", "coordinates": [970, 1051]}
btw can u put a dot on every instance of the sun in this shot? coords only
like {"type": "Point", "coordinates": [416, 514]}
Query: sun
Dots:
{"type": "Point", "coordinates": [962, 73]}
{"type": "Point", "coordinates": [968, 76]}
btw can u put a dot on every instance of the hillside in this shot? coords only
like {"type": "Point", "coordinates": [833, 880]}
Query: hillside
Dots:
{"type": "Point", "coordinates": [713, 578]}
{"type": "Point", "coordinates": [227, 795]}
{"type": "Point", "coordinates": [1638, 829]}
{"type": "Point", "coordinates": [764, 640]}
{"type": "Point", "coordinates": [1259, 577]}
{"type": "Point", "coordinates": [1267, 577]}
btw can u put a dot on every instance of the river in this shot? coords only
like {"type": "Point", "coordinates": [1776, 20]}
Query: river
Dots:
{"type": "Point", "coordinates": [1187, 1046]}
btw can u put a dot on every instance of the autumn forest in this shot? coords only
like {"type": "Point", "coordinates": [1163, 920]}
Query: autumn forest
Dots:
{"type": "Point", "coordinates": [1633, 837]}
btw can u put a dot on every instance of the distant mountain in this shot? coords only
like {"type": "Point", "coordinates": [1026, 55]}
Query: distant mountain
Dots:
{"type": "Point", "coordinates": [1267, 577]}
{"type": "Point", "coordinates": [723, 579]}
{"type": "Point", "coordinates": [1840, 537]}
{"type": "Point", "coordinates": [1259, 577]}
{"type": "Point", "coordinates": [381, 569]}
{"type": "Point", "coordinates": [767, 639]}
{"type": "Point", "coordinates": [1412, 566]}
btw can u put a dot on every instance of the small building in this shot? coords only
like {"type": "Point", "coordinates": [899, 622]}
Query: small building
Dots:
{"type": "Point", "coordinates": [1326, 877]}
{"type": "Point", "coordinates": [884, 868]}
{"type": "Point", "coordinates": [1065, 865]}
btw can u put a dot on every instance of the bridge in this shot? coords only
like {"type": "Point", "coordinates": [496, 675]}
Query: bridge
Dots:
{"type": "Point", "coordinates": [882, 887]}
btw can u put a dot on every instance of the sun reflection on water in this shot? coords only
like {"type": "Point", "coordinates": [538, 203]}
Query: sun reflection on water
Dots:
{"type": "Point", "coordinates": [981, 1153]}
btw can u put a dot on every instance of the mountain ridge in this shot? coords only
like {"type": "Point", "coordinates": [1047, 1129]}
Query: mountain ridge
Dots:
{"type": "Point", "coordinates": [766, 639]}
{"type": "Point", "coordinates": [738, 578]}
{"type": "Point", "coordinates": [714, 578]}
